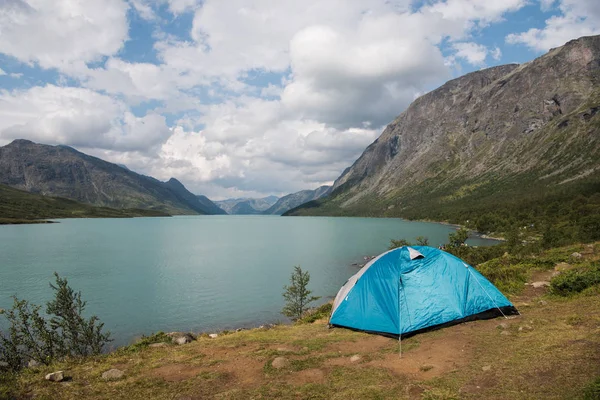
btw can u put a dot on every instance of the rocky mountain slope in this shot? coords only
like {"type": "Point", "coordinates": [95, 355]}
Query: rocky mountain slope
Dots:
{"type": "Point", "coordinates": [247, 205]}
{"type": "Point", "coordinates": [65, 172]}
{"type": "Point", "coordinates": [293, 200]}
{"type": "Point", "coordinates": [487, 137]}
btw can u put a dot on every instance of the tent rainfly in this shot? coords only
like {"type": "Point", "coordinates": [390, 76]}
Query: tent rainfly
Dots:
{"type": "Point", "coordinates": [411, 289]}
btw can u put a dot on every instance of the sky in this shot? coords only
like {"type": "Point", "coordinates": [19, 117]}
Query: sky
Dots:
{"type": "Point", "coordinates": [248, 98]}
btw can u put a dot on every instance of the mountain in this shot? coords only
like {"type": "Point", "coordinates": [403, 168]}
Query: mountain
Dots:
{"type": "Point", "coordinates": [293, 200]}
{"type": "Point", "coordinates": [504, 135]}
{"type": "Point", "coordinates": [18, 206]}
{"type": "Point", "coordinates": [62, 171]}
{"type": "Point", "coordinates": [247, 205]}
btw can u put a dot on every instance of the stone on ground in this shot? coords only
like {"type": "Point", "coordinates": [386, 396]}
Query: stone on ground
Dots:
{"type": "Point", "coordinates": [57, 376]}
{"type": "Point", "coordinates": [280, 362]}
{"type": "Point", "coordinates": [355, 358]}
{"type": "Point", "coordinates": [112, 374]}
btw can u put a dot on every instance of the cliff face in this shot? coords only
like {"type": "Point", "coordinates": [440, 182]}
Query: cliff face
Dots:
{"type": "Point", "coordinates": [65, 172]}
{"type": "Point", "coordinates": [531, 124]}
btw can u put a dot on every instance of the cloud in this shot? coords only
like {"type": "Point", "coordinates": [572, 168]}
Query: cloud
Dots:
{"type": "Point", "coordinates": [473, 53]}
{"type": "Point", "coordinates": [56, 34]}
{"type": "Point", "coordinates": [577, 18]}
{"type": "Point", "coordinates": [77, 117]}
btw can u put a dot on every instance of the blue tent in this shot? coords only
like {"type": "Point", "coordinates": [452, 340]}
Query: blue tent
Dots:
{"type": "Point", "coordinates": [410, 289]}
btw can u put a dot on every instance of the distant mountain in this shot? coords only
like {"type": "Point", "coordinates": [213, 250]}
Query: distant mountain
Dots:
{"type": "Point", "coordinates": [62, 171]}
{"type": "Point", "coordinates": [247, 205]}
{"type": "Point", "coordinates": [491, 140]}
{"type": "Point", "coordinates": [293, 200]}
{"type": "Point", "coordinates": [17, 206]}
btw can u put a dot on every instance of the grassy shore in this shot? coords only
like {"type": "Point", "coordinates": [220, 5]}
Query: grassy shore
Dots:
{"type": "Point", "coordinates": [550, 351]}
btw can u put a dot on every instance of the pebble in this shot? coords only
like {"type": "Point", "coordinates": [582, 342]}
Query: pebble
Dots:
{"type": "Point", "coordinates": [57, 376]}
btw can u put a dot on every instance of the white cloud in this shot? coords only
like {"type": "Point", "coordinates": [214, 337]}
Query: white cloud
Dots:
{"type": "Point", "coordinates": [577, 18]}
{"type": "Point", "coordinates": [474, 53]}
{"type": "Point", "coordinates": [59, 33]}
{"type": "Point", "coordinates": [342, 68]}
{"type": "Point", "coordinates": [2, 72]}
{"type": "Point", "coordinates": [77, 117]}
{"type": "Point", "coordinates": [496, 53]}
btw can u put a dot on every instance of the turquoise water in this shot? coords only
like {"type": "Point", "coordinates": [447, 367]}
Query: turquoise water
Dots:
{"type": "Point", "coordinates": [192, 273]}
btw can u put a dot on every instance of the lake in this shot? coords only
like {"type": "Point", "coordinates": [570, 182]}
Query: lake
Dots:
{"type": "Point", "coordinates": [192, 273]}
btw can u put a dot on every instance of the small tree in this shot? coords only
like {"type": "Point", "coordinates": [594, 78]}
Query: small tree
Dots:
{"type": "Point", "coordinates": [422, 240]}
{"type": "Point", "coordinates": [296, 295]}
{"type": "Point", "coordinates": [458, 238]}
{"type": "Point", "coordinates": [67, 334]}
{"type": "Point", "coordinates": [394, 244]}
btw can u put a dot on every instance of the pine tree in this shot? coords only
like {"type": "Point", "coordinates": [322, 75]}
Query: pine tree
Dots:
{"type": "Point", "coordinates": [296, 295]}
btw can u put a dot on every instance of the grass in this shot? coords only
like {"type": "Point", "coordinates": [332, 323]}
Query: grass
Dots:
{"type": "Point", "coordinates": [19, 207]}
{"type": "Point", "coordinates": [558, 357]}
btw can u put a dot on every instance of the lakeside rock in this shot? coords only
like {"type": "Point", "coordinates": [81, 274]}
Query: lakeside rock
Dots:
{"type": "Point", "coordinates": [181, 337]}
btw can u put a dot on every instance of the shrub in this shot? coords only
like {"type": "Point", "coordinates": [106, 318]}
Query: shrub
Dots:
{"type": "Point", "coordinates": [317, 313]}
{"type": "Point", "coordinates": [395, 243]}
{"type": "Point", "coordinates": [592, 391]}
{"type": "Point", "coordinates": [67, 334]}
{"type": "Point", "coordinates": [576, 280]}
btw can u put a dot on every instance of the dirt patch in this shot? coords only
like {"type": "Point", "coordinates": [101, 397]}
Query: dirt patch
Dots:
{"type": "Point", "coordinates": [245, 371]}
{"type": "Point", "coordinates": [434, 356]}
{"type": "Point", "coordinates": [306, 376]}
{"type": "Point", "coordinates": [176, 372]}
{"type": "Point", "coordinates": [366, 345]}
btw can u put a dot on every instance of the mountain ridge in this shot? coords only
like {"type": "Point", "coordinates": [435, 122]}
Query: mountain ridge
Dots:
{"type": "Point", "coordinates": [62, 171]}
{"type": "Point", "coordinates": [481, 136]}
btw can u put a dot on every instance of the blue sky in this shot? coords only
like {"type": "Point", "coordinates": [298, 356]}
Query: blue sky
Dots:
{"type": "Point", "coordinates": [249, 97]}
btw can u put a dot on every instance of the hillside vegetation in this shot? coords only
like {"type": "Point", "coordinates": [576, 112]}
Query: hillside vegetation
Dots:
{"type": "Point", "coordinates": [17, 206]}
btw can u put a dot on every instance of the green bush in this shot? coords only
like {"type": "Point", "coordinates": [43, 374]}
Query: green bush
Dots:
{"type": "Point", "coordinates": [576, 280]}
{"type": "Point", "coordinates": [592, 391]}
{"type": "Point", "coordinates": [67, 333]}
{"type": "Point", "coordinates": [507, 276]}
{"type": "Point", "coordinates": [317, 313]}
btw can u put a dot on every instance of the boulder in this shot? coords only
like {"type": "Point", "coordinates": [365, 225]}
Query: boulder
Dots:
{"type": "Point", "coordinates": [213, 335]}
{"type": "Point", "coordinates": [576, 255]}
{"type": "Point", "coordinates": [57, 376]}
{"type": "Point", "coordinates": [355, 358]}
{"type": "Point", "coordinates": [33, 364]}
{"type": "Point", "coordinates": [280, 362]}
{"type": "Point", "coordinates": [112, 374]}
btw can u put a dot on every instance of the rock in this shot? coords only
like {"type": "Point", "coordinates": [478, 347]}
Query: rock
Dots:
{"type": "Point", "coordinates": [525, 328]}
{"type": "Point", "coordinates": [182, 340]}
{"type": "Point", "coordinates": [181, 337]}
{"type": "Point", "coordinates": [112, 374]}
{"type": "Point", "coordinates": [240, 329]}
{"type": "Point", "coordinates": [57, 376]}
{"type": "Point", "coordinates": [505, 333]}
{"type": "Point", "coordinates": [355, 358]}
{"type": "Point", "coordinates": [213, 335]}
{"type": "Point", "coordinates": [486, 368]}
{"type": "Point", "coordinates": [33, 364]}
{"type": "Point", "coordinates": [540, 284]}
{"type": "Point", "coordinates": [280, 362]}
{"type": "Point", "coordinates": [161, 344]}
{"type": "Point", "coordinates": [542, 302]}
{"type": "Point", "coordinates": [576, 255]}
